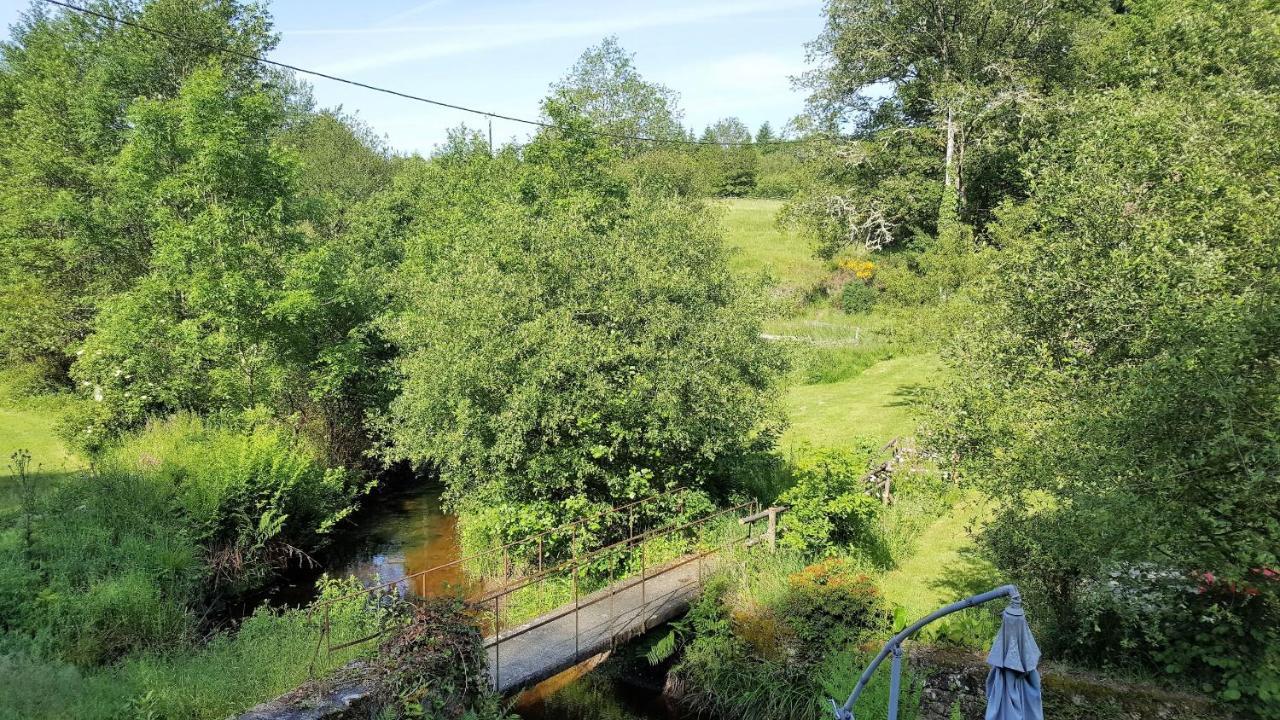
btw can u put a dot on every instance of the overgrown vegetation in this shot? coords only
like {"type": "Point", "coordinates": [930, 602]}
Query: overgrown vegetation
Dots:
{"type": "Point", "coordinates": [238, 308]}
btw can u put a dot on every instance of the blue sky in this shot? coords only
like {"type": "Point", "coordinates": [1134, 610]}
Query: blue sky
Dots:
{"type": "Point", "coordinates": [724, 57]}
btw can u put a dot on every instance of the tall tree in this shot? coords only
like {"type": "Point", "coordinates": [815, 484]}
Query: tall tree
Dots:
{"type": "Point", "coordinates": [940, 86]}
{"type": "Point", "coordinates": [67, 241]}
{"type": "Point", "coordinates": [570, 341]}
{"type": "Point", "coordinates": [605, 86]}
{"type": "Point", "coordinates": [1120, 389]}
{"type": "Point", "coordinates": [211, 192]}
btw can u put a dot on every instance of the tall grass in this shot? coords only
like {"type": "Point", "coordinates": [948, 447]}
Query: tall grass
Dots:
{"type": "Point", "coordinates": [268, 654]}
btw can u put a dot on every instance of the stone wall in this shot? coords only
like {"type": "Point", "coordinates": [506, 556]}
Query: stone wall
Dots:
{"type": "Point", "coordinates": [955, 676]}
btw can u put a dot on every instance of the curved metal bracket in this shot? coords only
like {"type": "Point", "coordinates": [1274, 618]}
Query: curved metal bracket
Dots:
{"type": "Point", "coordinates": [845, 712]}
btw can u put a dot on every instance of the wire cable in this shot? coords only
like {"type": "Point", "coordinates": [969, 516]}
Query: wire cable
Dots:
{"type": "Point", "coordinates": [176, 37]}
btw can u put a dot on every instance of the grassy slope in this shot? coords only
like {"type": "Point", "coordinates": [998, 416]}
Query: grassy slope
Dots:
{"type": "Point", "coordinates": [29, 426]}
{"type": "Point", "coordinates": [877, 403]}
{"type": "Point", "coordinates": [943, 568]}
{"type": "Point", "coordinates": [759, 245]}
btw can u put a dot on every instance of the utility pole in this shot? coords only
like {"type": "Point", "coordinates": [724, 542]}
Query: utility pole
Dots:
{"type": "Point", "coordinates": [490, 136]}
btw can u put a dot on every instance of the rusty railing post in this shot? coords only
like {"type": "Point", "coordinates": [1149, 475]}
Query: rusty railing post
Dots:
{"type": "Point", "coordinates": [644, 601]}
{"type": "Point", "coordinates": [497, 645]}
{"type": "Point", "coordinates": [576, 645]}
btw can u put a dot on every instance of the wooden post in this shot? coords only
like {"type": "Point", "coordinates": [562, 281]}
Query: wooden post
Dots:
{"type": "Point", "coordinates": [773, 528]}
{"type": "Point", "coordinates": [539, 554]}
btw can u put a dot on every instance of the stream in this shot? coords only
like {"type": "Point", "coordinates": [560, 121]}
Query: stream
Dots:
{"type": "Point", "coordinates": [404, 531]}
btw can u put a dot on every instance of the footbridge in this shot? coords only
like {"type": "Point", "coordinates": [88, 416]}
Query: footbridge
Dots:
{"type": "Point", "coordinates": [552, 599]}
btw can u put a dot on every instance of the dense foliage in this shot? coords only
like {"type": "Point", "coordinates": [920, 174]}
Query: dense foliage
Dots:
{"type": "Point", "coordinates": [1120, 387]}
{"type": "Point", "coordinates": [253, 304]}
{"type": "Point", "coordinates": [571, 338]}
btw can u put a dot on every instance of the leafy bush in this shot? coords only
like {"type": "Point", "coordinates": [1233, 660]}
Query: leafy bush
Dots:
{"type": "Point", "coordinates": [1118, 389]}
{"type": "Point", "coordinates": [578, 339]}
{"type": "Point", "coordinates": [728, 672]}
{"type": "Point", "coordinates": [828, 504]}
{"type": "Point", "coordinates": [1222, 635]}
{"type": "Point", "coordinates": [830, 604]}
{"type": "Point", "coordinates": [667, 172]}
{"type": "Point", "coordinates": [857, 297]}
{"type": "Point", "coordinates": [179, 517]}
{"type": "Point", "coordinates": [435, 666]}
{"type": "Point", "coordinates": [251, 496]}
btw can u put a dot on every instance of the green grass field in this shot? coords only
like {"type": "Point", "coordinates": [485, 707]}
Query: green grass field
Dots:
{"type": "Point", "coordinates": [872, 398]}
{"type": "Point", "coordinates": [943, 568]}
{"type": "Point", "coordinates": [759, 245]}
{"type": "Point", "coordinates": [30, 426]}
{"type": "Point", "coordinates": [879, 403]}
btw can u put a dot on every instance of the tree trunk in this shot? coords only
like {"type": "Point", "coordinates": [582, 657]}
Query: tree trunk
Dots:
{"type": "Point", "coordinates": [949, 175]}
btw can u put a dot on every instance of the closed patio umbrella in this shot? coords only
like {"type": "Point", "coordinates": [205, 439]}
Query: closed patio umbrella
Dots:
{"type": "Point", "coordinates": [1013, 685]}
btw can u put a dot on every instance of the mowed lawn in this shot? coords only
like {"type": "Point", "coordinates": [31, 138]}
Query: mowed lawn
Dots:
{"type": "Point", "coordinates": [880, 403]}
{"type": "Point", "coordinates": [759, 245]}
{"type": "Point", "coordinates": [31, 428]}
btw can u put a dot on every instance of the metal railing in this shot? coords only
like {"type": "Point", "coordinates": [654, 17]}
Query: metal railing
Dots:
{"type": "Point", "coordinates": [547, 567]}
{"type": "Point", "coordinates": [574, 567]}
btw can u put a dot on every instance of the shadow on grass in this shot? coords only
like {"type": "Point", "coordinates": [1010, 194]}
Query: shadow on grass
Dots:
{"type": "Point", "coordinates": [969, 575]}
{"type": "Point", "coordinates": [45, 482]}
{"type": "Point", "coordinates": [910, 395]}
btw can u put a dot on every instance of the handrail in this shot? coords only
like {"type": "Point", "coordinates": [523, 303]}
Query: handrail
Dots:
{"type": "Point", "coordinates": [599, 552]}
{"type": "Point", "coordinates": [491, 551]}
{"type": "Point", "coordinates": [845, 712]}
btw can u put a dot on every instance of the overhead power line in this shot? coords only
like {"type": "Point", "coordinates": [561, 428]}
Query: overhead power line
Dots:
{"type": "Point", "coordinates": [177, 37]}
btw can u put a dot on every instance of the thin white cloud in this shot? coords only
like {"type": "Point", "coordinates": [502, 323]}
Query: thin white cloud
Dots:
{"type": "Point", "coordinates": [475, 38]}
{"type": "Point", "coordinates": [414, 11]}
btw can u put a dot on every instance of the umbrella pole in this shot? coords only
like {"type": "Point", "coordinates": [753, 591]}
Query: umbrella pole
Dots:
{"type": "Point", "coordinates": [845, 712]}
{"type": "Point", "coordinates": [895, 682]}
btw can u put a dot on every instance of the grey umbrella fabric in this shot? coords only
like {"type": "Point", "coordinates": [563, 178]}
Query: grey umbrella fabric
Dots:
{"type": "Point", "coordinates": [1013, 685]}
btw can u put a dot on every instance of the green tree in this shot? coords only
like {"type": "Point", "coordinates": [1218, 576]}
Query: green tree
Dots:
{"type": "Point", "coordinates": [765, 134]}
{"type": "Point", "coordinates": [1120, 387]}
{"type": "Point", "coordinates": [940, 91]}
{"type": "Point", "coordinates": [605, 86]}
{"type": "Point", "coordinates": [732, 162]}
{"type": "Point", "coordinates": [210, 191]}
{"type": "Point", "coordinates": [569, 340]}
{"type": "Point", "coordinates": [67, 241]}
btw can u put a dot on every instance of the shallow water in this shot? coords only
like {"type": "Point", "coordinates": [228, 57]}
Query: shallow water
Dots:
{"type": "Point", "coordinates": [398, 533]}
{"type": "Point", "coordinates": [406, 532]}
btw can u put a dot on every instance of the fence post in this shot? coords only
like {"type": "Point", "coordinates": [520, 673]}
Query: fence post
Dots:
{"type": "Point", "coordinates": [773, 528]}
{"type": "Point", "coordinates": [643, 594]}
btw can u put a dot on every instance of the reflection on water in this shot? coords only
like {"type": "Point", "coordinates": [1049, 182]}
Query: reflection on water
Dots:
{"type": "Point", "coordinates": [622, 687]}
{"type": "Point", "coordinates": [407, 534]}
